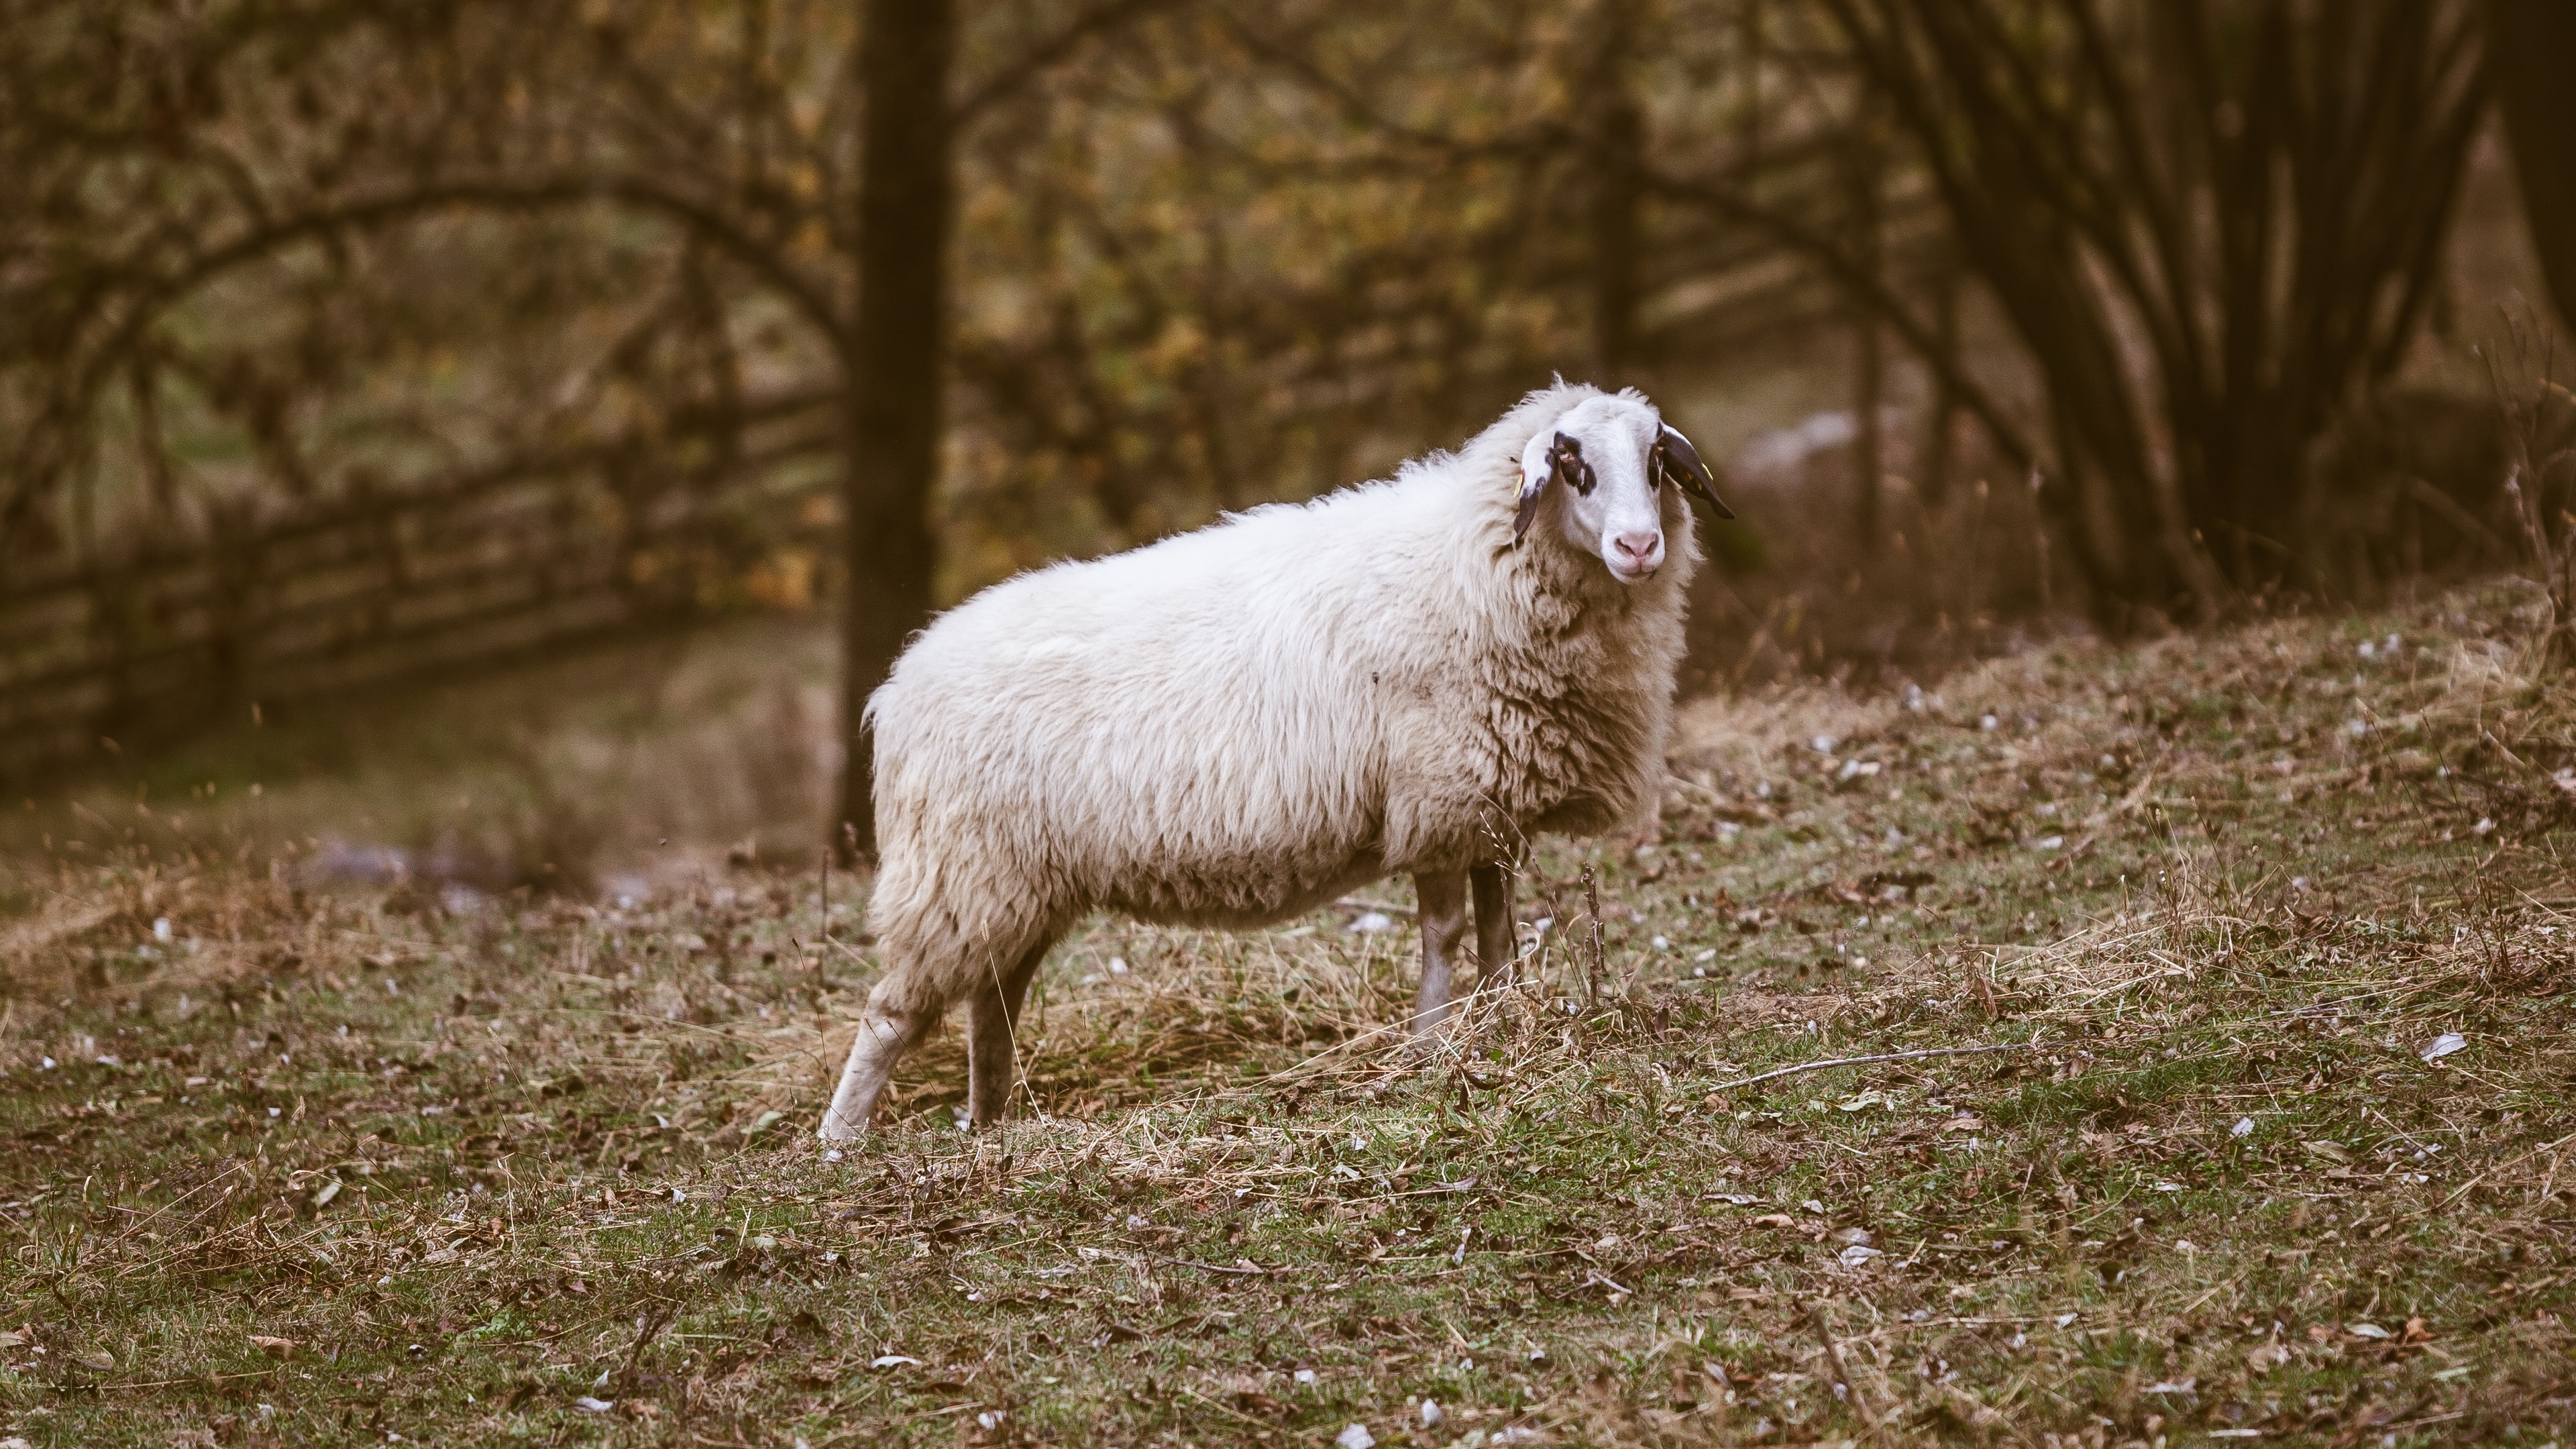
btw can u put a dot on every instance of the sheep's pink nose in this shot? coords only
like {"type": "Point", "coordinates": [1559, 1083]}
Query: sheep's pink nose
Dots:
{"type": "Point", "coordinates": [1639, 548]}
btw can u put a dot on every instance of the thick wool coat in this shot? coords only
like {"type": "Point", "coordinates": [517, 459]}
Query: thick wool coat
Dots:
{"type": "Point", "coordinates": [1239, 724]}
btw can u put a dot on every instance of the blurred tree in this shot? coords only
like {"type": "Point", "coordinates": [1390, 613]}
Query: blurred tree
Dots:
{"type": "Point", "coordinates": [2532, 55]}
{"type": "Point", "coordinates": [897, 369]}
{"type": "Point", "coordinates": [2212, 223]}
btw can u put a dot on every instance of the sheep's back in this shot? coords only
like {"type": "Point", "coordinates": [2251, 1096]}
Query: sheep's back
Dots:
{"type": "Point", "coordinates": [1192, 731]}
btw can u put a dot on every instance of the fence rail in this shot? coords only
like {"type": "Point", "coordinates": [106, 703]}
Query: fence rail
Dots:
{"type": "Point", "coordinates": [372, 588]}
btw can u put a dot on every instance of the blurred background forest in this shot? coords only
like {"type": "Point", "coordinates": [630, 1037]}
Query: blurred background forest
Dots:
{"type": "Point", "coordinates": [347, 347]}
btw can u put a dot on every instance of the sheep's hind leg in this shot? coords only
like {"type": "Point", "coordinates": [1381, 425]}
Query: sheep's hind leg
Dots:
{"type": "Point", "coordinates": [1442, 896]}
{"type": "Point", "coordinates": [1498, 949]}
{"type": "Point", "coordinates": [885, 1033]}
{"type": "Point", "coordinates": [992, 1015]}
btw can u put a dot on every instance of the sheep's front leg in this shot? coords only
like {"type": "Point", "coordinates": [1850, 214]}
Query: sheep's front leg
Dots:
{"type": "Point", "coordinates": [1442, 896]}
{"type": "Point", "coordinates": [1498, 947]}
{"type": "Point", "coordinates": [886, 1032]}
{"type": "Point", "coordinates": [992, 1015]}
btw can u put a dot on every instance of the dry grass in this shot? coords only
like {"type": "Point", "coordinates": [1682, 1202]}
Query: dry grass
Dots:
{"type": "Point", "coordinates": [359, 1164]}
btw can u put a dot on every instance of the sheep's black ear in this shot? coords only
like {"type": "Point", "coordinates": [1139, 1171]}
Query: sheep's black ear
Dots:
{"type": "Point", "coordinates": [1534, 483]}
{"type": "Point", "coordinates": [1564, 460]}
{"type": "Point", "coordinates": [1676, 459]}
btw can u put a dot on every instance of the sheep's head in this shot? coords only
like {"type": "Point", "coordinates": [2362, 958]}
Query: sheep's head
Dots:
{"type": "Point", "coordinates": [1611, 456]}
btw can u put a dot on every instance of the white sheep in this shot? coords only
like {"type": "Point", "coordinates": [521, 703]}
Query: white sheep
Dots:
{"type": "Point", "coordinates": [1238, 725]}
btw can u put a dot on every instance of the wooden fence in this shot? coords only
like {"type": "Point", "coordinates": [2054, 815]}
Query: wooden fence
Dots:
{"type": "Point", "coordinates": [266, 611]}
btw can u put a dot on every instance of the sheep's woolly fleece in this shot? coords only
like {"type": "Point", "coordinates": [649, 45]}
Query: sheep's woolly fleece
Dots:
{"type": "Point", "coordinates": [1238, 724]}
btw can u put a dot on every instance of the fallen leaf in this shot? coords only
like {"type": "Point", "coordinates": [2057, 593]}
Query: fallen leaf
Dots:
{"type": "Point", "coordinates": [273, 1347]}
{"type": "Point", "coordinates": [2330, 1151]}
{"type": "Point", "coordinates": [589, 1405]}
{"type": "Point", "coordinates": [2417, 1331]}
{"type": "Point", "coordinates": [892, 1360]}
{"type": "Point", "coordinates": [328, 1191]}
{"type": "Point", "coordinates": [1356, 1436]}
{"type": "Point", "coordinates": [2367, 1330]}
{"type": "Point", "coordinates": [2443, 1045]}
{"type": "Point", "coordinates": [98, 1359]}
{"type": "Point", "coordinates": [1775, 1220]}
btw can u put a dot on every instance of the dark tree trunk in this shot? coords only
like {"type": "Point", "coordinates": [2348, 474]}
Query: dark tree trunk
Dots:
{"type": "Point", "coordinates": [1615, 242]}
{"type": "Point", "coordinates": [2531, 57]}
{"type": "Point", "coordinates": [1940, 442]}
{"type": "Point", "coordinates": [895, 368]}
{"type": "Point", "coordinates": [1619, 140]}
{"type": "Point", "coordinates": [1869, 465]}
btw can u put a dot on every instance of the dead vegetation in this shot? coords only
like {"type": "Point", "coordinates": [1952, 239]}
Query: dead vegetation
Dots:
{"type": "Point", "coordinates": [2213, 995]}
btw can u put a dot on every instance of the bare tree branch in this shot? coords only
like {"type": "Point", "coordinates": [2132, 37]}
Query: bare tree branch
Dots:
{"type": "Point", "coordinates": [1051, 52]}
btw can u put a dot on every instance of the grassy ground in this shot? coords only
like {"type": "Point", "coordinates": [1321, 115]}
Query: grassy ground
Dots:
{"type": "Point", "coordinates": [297, 1166]}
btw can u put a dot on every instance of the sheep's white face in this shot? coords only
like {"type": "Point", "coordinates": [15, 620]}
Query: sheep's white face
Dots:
{"type": "Point", "coordinates": [1621, 517]}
